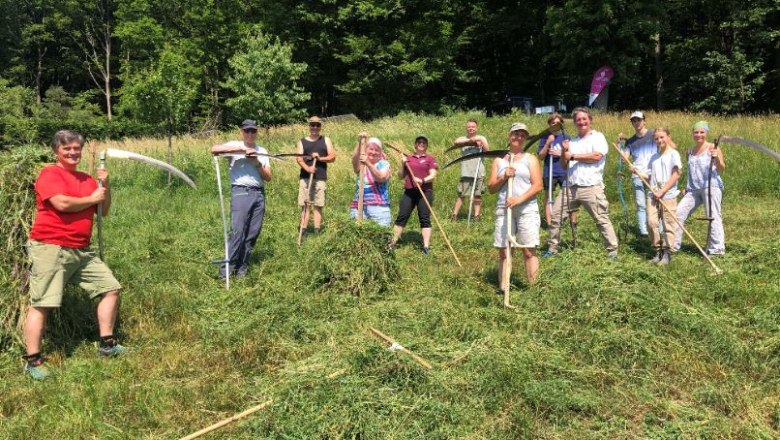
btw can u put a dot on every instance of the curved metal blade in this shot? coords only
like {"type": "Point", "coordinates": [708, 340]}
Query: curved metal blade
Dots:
{"type": "Point", "coordinates": [121, 154]}
{"type": "Point", "coordinates": [748, 143]}
{"type": "Point", "coordinates": [553, 129]}
{"type": "Point", "coordinates": [492, 153]}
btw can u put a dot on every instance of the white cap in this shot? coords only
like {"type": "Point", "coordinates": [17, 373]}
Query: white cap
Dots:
{"type": "Point", "coordinates": [519, 126]}
{"type": "Point", "coordinates": [637, 114]}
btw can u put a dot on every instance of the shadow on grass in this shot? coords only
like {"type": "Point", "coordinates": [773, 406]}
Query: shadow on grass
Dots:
{"type": "Point", "coordinates": [74, 323]}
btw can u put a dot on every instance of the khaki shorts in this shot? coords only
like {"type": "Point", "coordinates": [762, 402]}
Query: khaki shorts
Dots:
{"type": "Point", "coordinates": [464, 186]}
{"type": "Point", "coordinates": [525, 228]}
{"type": "Point", "coordinates": [318, 198]}
{"type": "Point", "coordinates": [54, 266]}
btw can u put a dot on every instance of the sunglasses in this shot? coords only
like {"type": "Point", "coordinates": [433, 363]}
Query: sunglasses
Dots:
{"type": "Point", "coordinates": [315, 124]}
{"type": "Point", "coordinates": [250, 130]}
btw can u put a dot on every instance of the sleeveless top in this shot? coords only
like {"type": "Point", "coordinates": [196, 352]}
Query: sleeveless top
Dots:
{"type": "Point", "coordinates": [698, 170]}
{"type": "Point", "coordinates": [520, 184]}
{"type": "Point", "coordinates": [319, 146]}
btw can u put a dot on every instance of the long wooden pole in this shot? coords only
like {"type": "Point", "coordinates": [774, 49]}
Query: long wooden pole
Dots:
{"type": "Point", "coordinates": [306, 204]}
{"type": "Point", "coordinates": [400, 347]}
{"type": "Point", "coordinates": [433, 214]}
{"type": "Point", "coordinates": [229, 420]}
{"type": "Point", "coordinates": [674, 217]}
{"type": "Point", "coordinates": [361, 180]}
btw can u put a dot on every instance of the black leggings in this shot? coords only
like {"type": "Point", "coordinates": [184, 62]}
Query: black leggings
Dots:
{"type": "Point", "coordinates": [409, 201]}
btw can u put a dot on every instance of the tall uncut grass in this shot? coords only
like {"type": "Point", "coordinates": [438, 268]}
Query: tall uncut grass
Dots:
{"type": "Point", "coordinates": [595, 350]}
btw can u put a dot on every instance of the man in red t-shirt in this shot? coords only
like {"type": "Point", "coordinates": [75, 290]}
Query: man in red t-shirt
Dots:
{"type": "Point", "coordinates": [66, 202]}
{"type": "Point", "coordinates": [424, 168]}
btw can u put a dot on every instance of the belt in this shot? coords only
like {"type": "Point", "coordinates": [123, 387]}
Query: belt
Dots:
{"type": "Point", "coordinates": [249, 188]}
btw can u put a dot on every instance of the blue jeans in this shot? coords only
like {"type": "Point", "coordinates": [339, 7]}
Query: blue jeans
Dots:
{"type": "Point", "coordinates": [378, 214]}
{"type": "Point", "coordinates": [641, 209]}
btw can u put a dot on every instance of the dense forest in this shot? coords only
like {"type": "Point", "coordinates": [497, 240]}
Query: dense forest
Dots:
{"type": "Point", "coordinates": [131, 67]}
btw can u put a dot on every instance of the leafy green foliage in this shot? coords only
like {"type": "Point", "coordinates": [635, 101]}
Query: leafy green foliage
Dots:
{"type": "Point", "coordinates": [263, 80]}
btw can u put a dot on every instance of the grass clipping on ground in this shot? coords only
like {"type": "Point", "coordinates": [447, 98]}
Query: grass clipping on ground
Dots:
{"type": "Point", "coordinates": [351, 258]}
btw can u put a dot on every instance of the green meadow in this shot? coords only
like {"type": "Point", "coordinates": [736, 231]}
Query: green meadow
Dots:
{"type": "Point", "coordinates": [596, 349]}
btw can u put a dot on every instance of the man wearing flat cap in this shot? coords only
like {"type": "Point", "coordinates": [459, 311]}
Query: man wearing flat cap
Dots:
{"type": "Point", "coordinates": [320, 152]}
{"type": "Point", "coordinates": [250, 168]}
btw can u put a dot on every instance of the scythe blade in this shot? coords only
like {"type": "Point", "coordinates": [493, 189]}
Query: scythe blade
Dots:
{"type": "Point", "coordinates": [121, 154]}
{"type": "Point", "coordinates": [750, 144]}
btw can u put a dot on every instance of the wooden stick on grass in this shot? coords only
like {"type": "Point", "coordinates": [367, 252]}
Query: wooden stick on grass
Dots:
{"type": "Point", "coordinates": [396, 346]}
{"type": "Point", "coordinates": [674, 217]}
{"type": "Point", "coordinates": [227, 421]}
{"type": "Point", "coordinates": [361, 181]}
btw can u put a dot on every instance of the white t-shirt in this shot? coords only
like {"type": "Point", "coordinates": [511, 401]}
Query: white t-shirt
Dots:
{"type": "Point", "coordinates": [242, 170]}
{"type": "Point", "coordinates": [588, 174]}
{"type": "Point", "coordinates": [661, 167]}
{"type": "Point", "coordinates": [642, 149]}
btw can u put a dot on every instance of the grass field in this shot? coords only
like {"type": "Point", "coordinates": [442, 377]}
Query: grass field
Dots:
{"type": "Point", "coordinates": [596, 349]}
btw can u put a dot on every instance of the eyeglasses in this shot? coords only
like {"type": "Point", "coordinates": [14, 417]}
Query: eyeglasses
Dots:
{"type": "Point", "coordinates": [315, 125]}
{"type": "Point", "coordinates": [250, 130]}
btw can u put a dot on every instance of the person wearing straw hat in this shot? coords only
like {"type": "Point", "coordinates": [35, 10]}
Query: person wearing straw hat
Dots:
{"type": "Point", "coordinates": [526, 176]}
{"type": "Point", "coordinates": [584, 158]}
{"type": "Point", "coordinates": [472, 172]}
{"type": "Point", "coordinates": [320, 152]}
{"type": "Point", "coordinates": [424, 168]}
{"type": "Point", "coordinates": [376, 195]}
{"type": "Point", "coordinates": [641, 146]}
{"type": "Point", "coordinates": [59, 249]}
{"type": "Point", "coordinates": [704, 187]}
{"type": "Point", "coordinates": [248, 174]}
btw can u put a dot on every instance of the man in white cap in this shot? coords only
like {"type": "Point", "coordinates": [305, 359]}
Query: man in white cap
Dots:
{"type": "Point", "coordinates": [320, 148]}
{"type": "Point", "coordinates": [641, 147]}
{"type": "Point", "coordinates": [248, 174]}
{"type": "Point", "coordinates": [583, 159]}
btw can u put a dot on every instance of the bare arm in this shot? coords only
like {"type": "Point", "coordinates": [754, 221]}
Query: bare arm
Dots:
{"type": "Point", "coordinates": [495, 182]}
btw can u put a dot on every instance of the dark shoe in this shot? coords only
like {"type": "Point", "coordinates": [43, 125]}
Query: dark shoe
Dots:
{"type": "Point", "coordinates": [426, 250]}
{"type": "Point", "coordinates": [657, 258]}
{"type": "Point", "coordinates": [666, 258]}
{"type": "Point", "coordinates": [109, 347]}
{"type": "Point", "coordinates": [454, 217]}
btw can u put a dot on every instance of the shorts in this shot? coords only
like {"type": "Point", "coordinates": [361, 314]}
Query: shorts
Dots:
{"type": "Point", "coordinates": [318, 198]}
{"type": "Point", "coordinates": [556, 181]}
{"type": "Point", "coordinates": [378, 214]}
{"type": "Point", "coordinates": [464, 186]}
{"type": "Point", "coordinates": [54, 266]}
{"type": "Point", "coordinates": [526, 228]}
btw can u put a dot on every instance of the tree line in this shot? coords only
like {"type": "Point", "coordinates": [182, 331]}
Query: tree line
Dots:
{"type": "Point", "coordinates": [132, 67]}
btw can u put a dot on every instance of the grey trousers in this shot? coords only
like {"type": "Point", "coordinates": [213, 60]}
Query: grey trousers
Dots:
{"type": "Point", "coordinates": [247, 209]}
{"type": "Point", "coordinates": [716, 242]}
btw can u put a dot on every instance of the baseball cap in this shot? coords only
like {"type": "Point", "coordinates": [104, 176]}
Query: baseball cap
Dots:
{"type": "Point", "coordinates": [637, 114]}
{"type": "Point", "coordinates": [421, 136]}
{"type": "Point", "coordinates": [517, 126]}
{"type": "Point", "coordinates": [248, 123]}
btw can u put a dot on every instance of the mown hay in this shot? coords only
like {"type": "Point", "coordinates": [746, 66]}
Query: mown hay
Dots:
{"type": "Point", "coordinates": [351, 258]}
{"type": "Point", "coordinates": [18, 170]}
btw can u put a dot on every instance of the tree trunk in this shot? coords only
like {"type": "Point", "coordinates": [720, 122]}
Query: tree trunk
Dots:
{"type": "Point", "coordinates": [659, 75]}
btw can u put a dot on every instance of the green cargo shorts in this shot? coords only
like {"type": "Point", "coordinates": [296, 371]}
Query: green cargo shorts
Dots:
{"type": "Point", "coordinates": [54, 266]}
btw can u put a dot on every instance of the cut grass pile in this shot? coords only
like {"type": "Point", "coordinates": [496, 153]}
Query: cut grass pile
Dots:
{"type": "Point", "coordinates": [594, 350]}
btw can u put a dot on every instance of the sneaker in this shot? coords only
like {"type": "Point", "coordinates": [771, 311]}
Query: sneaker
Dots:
{"type": "Point", "coordinates": [549, 254]}
{"type": "Point", "coordinates": [612, 256]}
{"type": "Point", "coordinates": [657, 258]}
{"type": "Point", "coordinates": [111, 350]}
{"type": "Point", "coordinates": [37, 369]}
{"type": "Point", "coordinates": [665, 258]}
{"type": "Point", "coordinates": [426, 250]}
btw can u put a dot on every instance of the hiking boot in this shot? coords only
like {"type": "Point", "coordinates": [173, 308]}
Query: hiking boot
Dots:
{"type": "Point", "coordinates": [110, 348]}
{"type": "Point", "coordinates": [36, 369]}
{"type": "Point", "coordinates": [665, 258]}
{"type": "Point", "coordinates": [657, 258]}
